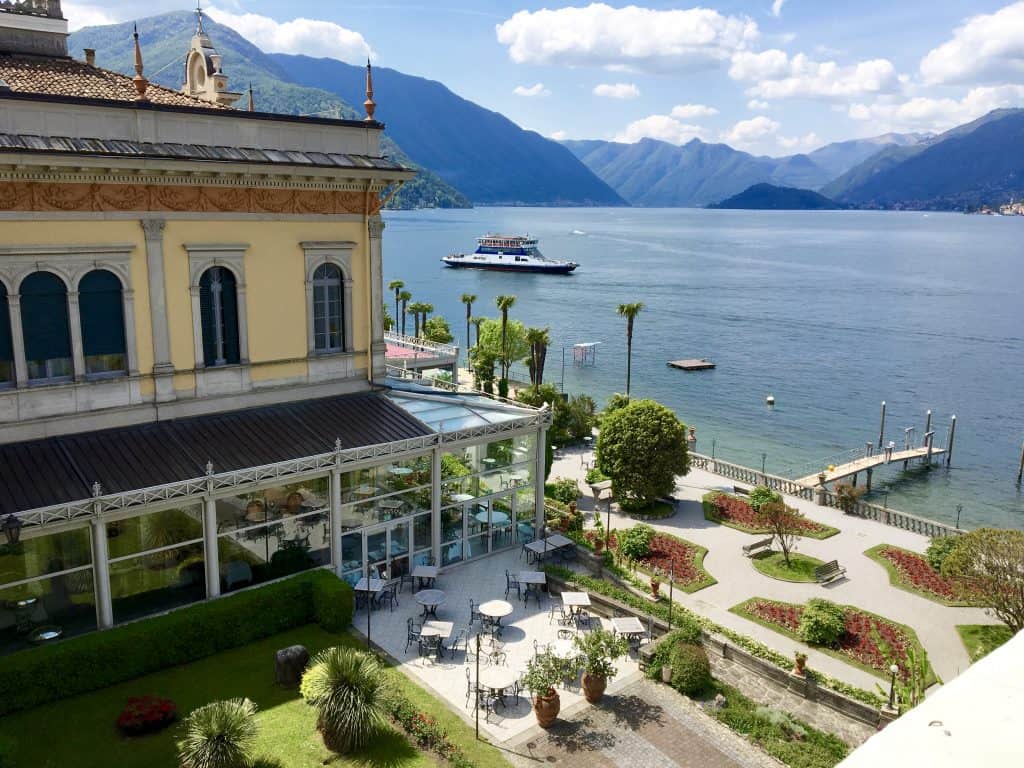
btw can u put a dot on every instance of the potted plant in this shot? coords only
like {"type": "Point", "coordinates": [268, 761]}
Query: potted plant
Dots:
{"type": "Point", "coordinates": [801, 662]}
{"type": "Point", "coordinates": [542, 675]}
{"type": "Point", "coordinates": [598, 651]}
{"type": "Point", "coordinates": [598, 545]}
{"type": "Point", "coordinates": [655, 587]}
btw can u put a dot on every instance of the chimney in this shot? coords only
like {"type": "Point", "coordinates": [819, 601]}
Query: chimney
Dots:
{"type": "Point", "coordinates": [90, 56]}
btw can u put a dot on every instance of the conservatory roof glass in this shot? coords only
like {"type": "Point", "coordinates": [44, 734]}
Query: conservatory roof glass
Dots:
{"type": "Point", "coordinates": [449, 412]}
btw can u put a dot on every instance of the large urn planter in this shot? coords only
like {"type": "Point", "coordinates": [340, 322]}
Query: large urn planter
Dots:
{"type": "Point", "coordinates": [593, 687]}
{"type": "Point", "coordinates": [546, 708]}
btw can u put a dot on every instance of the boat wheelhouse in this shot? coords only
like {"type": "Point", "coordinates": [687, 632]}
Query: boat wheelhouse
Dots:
{"type": "Point", "coordinates": [509, 253]}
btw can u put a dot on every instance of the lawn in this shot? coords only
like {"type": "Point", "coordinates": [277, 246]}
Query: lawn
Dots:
{"type": "Point", "coordinates": [288, 737]}
{"type": "Point", "coordinates": [859, 643]}
{"type": "Point", "coordinates": [981, 639]}
{"type": "Point", "coordinates": [659, 510]}
{"type": "Point", "coordinates": [911, 572]}
{"type": "Point", "coordinates": [734, 512]}
{"type": "Point", "coordinates": [773, 564]}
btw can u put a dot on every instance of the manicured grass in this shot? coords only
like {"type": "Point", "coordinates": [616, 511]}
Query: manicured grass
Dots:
{"type": "Point", "coordinates": [659, 510]}
{"type": "Point", "coordinates": [814, 529]}
{"type": "Point", "coordinates": [940, 590]}
{"type": "Point", "coordinates": [842, 653]}
{"type": "Point", "coordinates": [773, 564]}
{"type": "Point", "coordinates": [80, 731]}
{"type": "Point", "coordinates": [982, 639]}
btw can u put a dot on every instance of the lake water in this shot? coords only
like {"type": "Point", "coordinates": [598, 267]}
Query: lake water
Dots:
{"type": "Point", "coordinates": [830, 312]}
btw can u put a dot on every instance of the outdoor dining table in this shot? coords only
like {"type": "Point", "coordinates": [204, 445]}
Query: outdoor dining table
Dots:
{"type": "Point", "coordinates": [630, 628]}
{"type": "Point", "coordinates": [497, 518]}
{"type": "Point", "coordinates": [371, 587]}
{"type": "Point", "coordinates": [440, 629]}
{"type": "Point", "coordinates": [574, 601]}
{"type": "Point", "coordinates": [558, 540]}
{"type": "Point", "coordinates": [532, 577]}
{"type": "Point", "coordinates": [400, 471]}
{"type": "Point", "coordinates": [461, 497]}
{"type": "Point", "coordinates": [496, 610]}
{"type": "Point", "coordinates": [430, 599]}
{"type": "Point", "coordinates": [563, 649]}
{"type": "Point", "coordinates": [425, 575]}
{"type": "Point", "coordinates": [497, 680]}
{"type": "Point", "coordinates": [541, 548]}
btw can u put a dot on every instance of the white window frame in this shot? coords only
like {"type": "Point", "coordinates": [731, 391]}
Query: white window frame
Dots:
{"type": "Point", "coordinates": [201, 257]}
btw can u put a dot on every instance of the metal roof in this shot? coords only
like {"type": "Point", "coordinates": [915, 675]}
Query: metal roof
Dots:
{"type": "Point", "coordinates": [12, 142]}
{"type": "Point", "coordinates": [57, 470]}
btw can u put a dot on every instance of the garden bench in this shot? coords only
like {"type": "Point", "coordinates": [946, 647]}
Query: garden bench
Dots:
{"type": "Point", "coordinates": [764, 544]}
{"type": "Point", "coordinates": [740, 490]}
{"type": "Point", "coordinates": [823, 574]}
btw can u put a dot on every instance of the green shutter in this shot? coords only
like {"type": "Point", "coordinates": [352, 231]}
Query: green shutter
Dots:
{"type": "Point", "coordinates": [206, 318]}
{"type": "Point", "coordinates": [229, 299]}
{"type": "Point", "coordinates": [44, 317]}
{"type": "Point", "coordinates": [102, 312]}
{"type": "Point", "coordinates": [6, 348]}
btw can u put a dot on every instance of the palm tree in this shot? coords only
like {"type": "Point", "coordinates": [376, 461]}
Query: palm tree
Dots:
{"type": "Point", "coordinates": [468, 299]}
{"type": "Point", "coordinates": [396, 286]}
{"type": "Point", "coordinates": [348, 688]}
{"type": "Point", "coordinates": [416, 309]}
{"type": "Point", "coordinates": [540, 339]}
{"type": "Point", "coordinates": [426, 309]}
{"type": "Point", "coordinates": [629, 311]}
{"type": "Point", "coordinates": [219, 735]}
{"type": "Point", "coordinates": [405, 296]}
{"type": "Point", "coordinates": [504, 304]}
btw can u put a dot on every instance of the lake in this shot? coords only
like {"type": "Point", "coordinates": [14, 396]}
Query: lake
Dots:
{"type": "Point", "coordinates": [830, 312]}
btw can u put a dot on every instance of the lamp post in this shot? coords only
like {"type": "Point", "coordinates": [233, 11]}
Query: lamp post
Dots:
{"type": "Point", "coordinates": [713, 448]}
{"type": "Point", "coordinates": [764, 457]}
{"type": "Point", "coordinates": [369, 603]}
{"type": "Point", "coordinates": [893, 670]}
{"type": "Point", "coordinates": [476, 698]}
{"type": "Point", "coordinates": [671, 584]}
{"type": "Point", "coordinates": [12, 529]}
{"type": "Point", "coordinates": [959, 509]}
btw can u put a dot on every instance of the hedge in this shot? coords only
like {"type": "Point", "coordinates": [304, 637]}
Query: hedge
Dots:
{"type": "Point", "coordinates": [100, 659]}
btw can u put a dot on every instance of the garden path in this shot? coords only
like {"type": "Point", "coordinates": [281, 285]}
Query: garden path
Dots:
{"type": "Point", "coordinates": [866, 584]}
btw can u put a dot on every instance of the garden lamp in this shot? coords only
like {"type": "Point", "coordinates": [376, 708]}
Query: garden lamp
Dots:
{"type": "Point", "coordinates": [894, 670]}
{"type": "Point", "coordinates": [12, 529]}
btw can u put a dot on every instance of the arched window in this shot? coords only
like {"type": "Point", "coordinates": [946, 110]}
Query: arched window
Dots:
{"type": "Point", "coordinates": [328, 310]}
{"type": "Point", "coordinates": [101, 307]}
{"type": "Point", "coordinates": [44, 323]}
{"type": "Point", "coordinates": [218, 309]}
{"type": "Point", "coordinates": [6, 347]}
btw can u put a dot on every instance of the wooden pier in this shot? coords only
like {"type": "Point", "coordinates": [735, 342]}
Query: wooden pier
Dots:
{"type": "Point", "coordinates": [868, 463]}
{"type": "Point", "coordinates": [692, 365]}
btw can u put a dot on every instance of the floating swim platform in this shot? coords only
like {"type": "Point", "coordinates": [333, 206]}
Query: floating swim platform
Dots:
{"type": "Point", "coordinates": [692, 365]}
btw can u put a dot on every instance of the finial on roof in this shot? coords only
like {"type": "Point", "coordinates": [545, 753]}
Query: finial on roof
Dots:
{"type": "Point", "coordinates": [369, 105]}
{"type": "Point", "coordinates": [252, 103]}
{"type": "Point", "coordinates": [199, 18]}
{"type": "Point", "coordinates": [141, 83]}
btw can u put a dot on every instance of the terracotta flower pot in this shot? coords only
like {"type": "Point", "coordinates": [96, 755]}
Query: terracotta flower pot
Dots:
{"type": "Point", "coordinates": [546, 708]}
{"type": "Point", "coordinates": [593, 687]}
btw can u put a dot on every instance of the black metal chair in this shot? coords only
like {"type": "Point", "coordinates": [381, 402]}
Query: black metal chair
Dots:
{"type": "Point", "coordinates": [453, 644]}
{"type": "Point", "coordinates": [511, 582]}
{"type": "Point", "coordinates": [566, 634]}
{"type": "Point", "coordinates": [430, 645]}
{"type": "Point", "coordinates": [388, 596]}
{"type": "Point", "coordinates": [474, 614]}
{"type": "Point", "coordinates": [583, 619]}
{"type": "Point", "coordinates": [412, 633]}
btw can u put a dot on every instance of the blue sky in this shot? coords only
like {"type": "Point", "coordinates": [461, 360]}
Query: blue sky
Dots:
{"type": "Point", "coordinates": [762, 75]}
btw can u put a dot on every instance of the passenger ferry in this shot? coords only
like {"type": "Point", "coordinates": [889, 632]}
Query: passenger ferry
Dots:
{"type": "Point", "coordinates": [508, 253]}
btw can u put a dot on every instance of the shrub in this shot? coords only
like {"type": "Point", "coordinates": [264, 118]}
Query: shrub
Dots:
{"type": "Point", "coordinates": [78, 665]}
{"type": "Point", "coordinates": [938, 549]}
{"type": "Point", "coordinates": [595, 475]}
{"type": "Point", "coordinates": [563, 489]}
{"type": "Point", "coordinates": [848, 496]}
{"type": "Point", "coordinates": [146, 714]}
{"type": "Point", "coordinates": [789, 727]}
{"type": "Point", "coordinates": [688, 633]}
{"type": "Point", "coordinates": [635, 543]}
{"type": "Point", "coordinates": [423, 728]}
{"type": "Point", "coordinates": [691, 670]}
{"type": "Point", "coordinates": [348, 688]}
{"type": "Point", "coordinates": [762, 494]}
{"type": "Point", "coordinates": [822, 622]}
{"type": "Point", "coordinates": [219, 735]}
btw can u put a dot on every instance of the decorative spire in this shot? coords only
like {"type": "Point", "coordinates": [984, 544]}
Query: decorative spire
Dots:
{"type": "Point", "coordinates": [369, 105]}
{"type": "Point", "coordinates": [199, 18]}
{"type": "Point", "coordinates": [252, 103]}
{"type": "Point", "coordinates": [141, 83]}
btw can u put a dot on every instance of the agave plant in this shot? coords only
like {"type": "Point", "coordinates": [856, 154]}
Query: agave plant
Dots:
{"type": "Point", "coordinates": [219, 735]}
{"type": "Point", "coordinates": [349, 690]}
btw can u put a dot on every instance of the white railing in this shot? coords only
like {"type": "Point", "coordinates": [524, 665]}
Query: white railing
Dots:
{"type": "Point", "coordinates": [751, 476]}
{"type": "Point", "coordinates": [414, 342]}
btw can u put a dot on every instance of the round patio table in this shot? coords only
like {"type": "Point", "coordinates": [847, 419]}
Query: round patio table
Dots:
{"type": "Point", "coordinates": [497, 679]}
{"type": "Point", "coordinates": [563, 649]}
{"type": "Point", "coordinates": [497, 518]}
{"type": "Point", "coordinates": [495, 609]}
{"type": "Point", "coordinates": [400, 471]}
{"type": "Point", "coordinates": [430, 599]}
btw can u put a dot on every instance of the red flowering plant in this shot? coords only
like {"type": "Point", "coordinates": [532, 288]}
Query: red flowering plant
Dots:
{"type": "Point", "coordinates": [146, 714]}
{"type": "Point", "coordinates": [913, 571]}
{"type": "Point", "coordinates": [736, 512]}
{"type": "Point", "coordinates": [679, 559]}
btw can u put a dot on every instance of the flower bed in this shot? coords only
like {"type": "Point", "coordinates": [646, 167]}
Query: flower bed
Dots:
{"type": "Point", "coordinates": [737, 513]}
{"type": "Point", "coordinates": [912, 571]}
{"type": "Point", "coordinates": [860, 643]}
{"type": "Point", "coordinates": [684, 559]}
{"type": "Point", "coordinates": [146, 714]}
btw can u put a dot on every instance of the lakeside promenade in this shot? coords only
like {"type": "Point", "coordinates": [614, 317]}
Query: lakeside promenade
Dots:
{"type": "Point", "coordinates": [866, 584]}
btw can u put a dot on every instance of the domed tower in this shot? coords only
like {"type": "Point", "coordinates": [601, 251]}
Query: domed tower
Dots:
{"type": "Point", "coordinates": [204, 77]}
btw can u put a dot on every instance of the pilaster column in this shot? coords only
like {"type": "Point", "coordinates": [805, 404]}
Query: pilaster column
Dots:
{"type": "Point", "coordinates": [375, 348]}
{"type": "Point", "coordinates": [130, 333]}
{"type": "Point", "coordinates": [101, 574]}
{"type": "Point", "coordinates": [17, 341]}
{"type": "Point", "coordinates": [435, 504]}
{"type": "Point", "coordinates": [335, 522]}
{"type": "Point", "coordinates": [211, 545]}
{"type": "Point", "coordinates": [75, 327]}
{"type": "Point", "coordinates": [163, 368]}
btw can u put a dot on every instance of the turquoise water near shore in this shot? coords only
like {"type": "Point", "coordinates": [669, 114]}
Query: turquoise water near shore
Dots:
{"type": "Point", "coordinates": [830, 312]}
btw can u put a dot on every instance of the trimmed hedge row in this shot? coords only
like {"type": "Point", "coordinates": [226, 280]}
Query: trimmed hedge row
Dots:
{"type": "Point", "coordinates": [79, 665]}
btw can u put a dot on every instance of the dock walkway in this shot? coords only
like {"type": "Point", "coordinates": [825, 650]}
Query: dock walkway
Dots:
{"type": "Point", "coordinates": [867, 463]}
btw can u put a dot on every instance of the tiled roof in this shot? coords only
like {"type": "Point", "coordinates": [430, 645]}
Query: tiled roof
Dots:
{"type": "Point", "coordinates": [76, 79]}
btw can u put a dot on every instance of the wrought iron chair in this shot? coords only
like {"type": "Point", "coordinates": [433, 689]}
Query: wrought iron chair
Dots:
{"type": "Point", "coordinates": [412, 633]}
{"type": "Point", "coordinates": [510, 582]}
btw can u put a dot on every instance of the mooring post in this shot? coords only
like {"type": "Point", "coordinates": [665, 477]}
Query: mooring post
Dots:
{"type": "Point", "coordinates": [881, 429]}
{"type": "Point", "coordinates": [952, 435]}
{"type": "Point", "coordinates": [929, 438]}
{"type": "Point", "coordinates": [867, 450]}
{"type": "Point", "coordinates": [928, 421]}
{"type": "Point", "coordinates": [868, 486]}
{"type": "Point", "coordinates": [1020, 469]}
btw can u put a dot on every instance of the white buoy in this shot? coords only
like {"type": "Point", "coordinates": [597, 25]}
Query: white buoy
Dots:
{"type": "Point", "coordinates": [770, 400]}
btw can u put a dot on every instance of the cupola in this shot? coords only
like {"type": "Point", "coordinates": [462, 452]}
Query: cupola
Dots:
{"type": "Point", "coordinates": [204, 75]}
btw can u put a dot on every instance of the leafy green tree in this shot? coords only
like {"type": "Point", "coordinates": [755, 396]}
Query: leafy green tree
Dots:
{"type": "Point", "coordinates": [348, 688]}
{"type": "Point", "coordinates": [405, 296]}
{"type": "Point", "coordinates": [468, 299]}
{"type": "Point", "coordinates": [822, 622]}
{"type": "Point", "coordinates": [483, 368]}
{"type": "Point", "coordinates": [762, 494]}
{"type": "Point", "coordinates": [221, 734]}
{"type": "Point", "coordinates": [505, 303]}
{"type": "Point", "coordinates": [436, 329]}
{"type": "Point", "coordinates": [629, 311]}
{"type": "Point", "coordinates": [575, 418]}
{"type": "Point", "coordinates": [988, 565]}
{"type": "Point", "coordinates": [938, 549]}
{"type": "Point", "coordinates": [785, 524]}
{"type": "Point", "coordinates": [539, 340]}
{"type": "Point", "coordinates": [389, 322]}
{"type": "Point", "coordinates": [477, 322]}
{"type": "Point", "coordinates": [642, 448]}
{"type": "Point", "coordinates": [635, 543]}
{"type": "Point", "coordinates": [396, 286]}
{"type": "Point", "coordinates": [514, 344]}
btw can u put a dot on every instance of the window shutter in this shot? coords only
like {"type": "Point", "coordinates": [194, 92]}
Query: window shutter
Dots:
{"type": "Point", "coordinates": [229, 299]}
{"type": "Point", "coordinates": [6, 347]}
{"type": "Point", "coordinates": [44, 317]}
{"type": "Point", "coordinates": [206, 318]}
{"type": "Point", "coordinates": [102, 310]}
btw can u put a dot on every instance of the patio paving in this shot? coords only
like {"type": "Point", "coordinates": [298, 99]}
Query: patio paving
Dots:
{"type": "Point", "coordinates": [481, 580]}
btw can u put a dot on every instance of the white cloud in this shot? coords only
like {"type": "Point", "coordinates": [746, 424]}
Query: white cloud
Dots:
{"type": "Point", "coordinates": [692, 111]}
{"type": "Point", "coordinates": [777, 76]}
{"type": "Point", "coordinates": [86, 15]}
{"type": "Point", "coordinates": [757, 105]}
{"type": "Point", "coordinates": [988, 48]}
{"type": "Point", "coordinates": [800, 143]}
{"type": "Point", "coordinates": [537, 89]}
{"type": "Point", "coordinates": [661, 127]}
{"type": "Point", "coordinates": [311, 37]}
{"type": "Point", "coordinates": [617, 90]}
{"type": "Point", "coordinates": [644, 38]}
{"type": "Point", "coordinates": [931, 114]}
{"type": "Point", "coordinates": [777, 7]}
{"type": "Point", "coordinates": [748, 132]}
{"type": "Point", "coordinates": [558, 135]}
